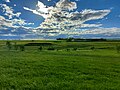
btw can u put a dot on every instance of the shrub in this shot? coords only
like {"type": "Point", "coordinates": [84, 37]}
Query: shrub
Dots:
{"type": "Point", "coordinates": [74, 49]}
{"type": "Point", "coordinates": [92, 48]}
{"type": "Point", "coordinates": [38, 44]}
{"type": "Point", "coordinates": [15, 46]}
{"type": "Point", "coordinates": [40, 48]}
{"type": "Point", "coordinates": [22, 48]}
{"type": "Point", "coordinates": [68, 49]}
{"type": "Point", "coordinates": [70, 39]}
{"type": "Point", "coordinates": [118, 49]}
{"type": "Point", "coordinates": [51, 48]}
{"type": "Point", "coordinates": [9, 45]}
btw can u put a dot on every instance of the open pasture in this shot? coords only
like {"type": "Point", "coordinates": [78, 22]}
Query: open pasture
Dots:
{"type": "Point", "coordinates": [69, 66]}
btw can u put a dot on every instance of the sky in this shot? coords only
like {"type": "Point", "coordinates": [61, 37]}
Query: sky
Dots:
{"type": "Point", "coordinates": [51, 19]}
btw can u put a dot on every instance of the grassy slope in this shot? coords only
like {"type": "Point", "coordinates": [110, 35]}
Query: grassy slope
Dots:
{"type": "Point", "coordinates": [61, 70]}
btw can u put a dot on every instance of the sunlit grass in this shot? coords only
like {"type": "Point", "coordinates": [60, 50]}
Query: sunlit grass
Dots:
{"type": "Point", "coordinates": [84, 69]}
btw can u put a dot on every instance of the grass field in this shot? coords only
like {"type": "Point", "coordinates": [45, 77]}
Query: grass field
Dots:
{"type": "Point", "coordinates": [60, 69]}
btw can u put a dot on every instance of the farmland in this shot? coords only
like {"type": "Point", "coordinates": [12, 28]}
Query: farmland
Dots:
{"type": "Point", "coordinates": [60, 65]}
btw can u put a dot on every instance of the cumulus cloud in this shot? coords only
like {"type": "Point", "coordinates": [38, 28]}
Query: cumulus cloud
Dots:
{"type": "Point", "coordinates": [63, 17]}
{"type": "Point", "coordinates": [4, 22]}
{"type": "Point", "coordinates": [66, 5]}
{"type": "Point", "coordinates": [12, 23]}
{"type": "Point", "coordinates": [9, 12]}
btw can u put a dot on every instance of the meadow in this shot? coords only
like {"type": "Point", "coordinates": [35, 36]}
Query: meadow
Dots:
{"type": "Point", "coordinates": [60, 66]}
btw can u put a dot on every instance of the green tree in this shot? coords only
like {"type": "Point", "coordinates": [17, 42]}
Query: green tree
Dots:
{"type": "Point", "coordinates": [9, 45]}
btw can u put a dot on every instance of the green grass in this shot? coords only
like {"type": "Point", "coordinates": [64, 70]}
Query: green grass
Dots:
{"type": "Point", "coordinates": [84, 69]}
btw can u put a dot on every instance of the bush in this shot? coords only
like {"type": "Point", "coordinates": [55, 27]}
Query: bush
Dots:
{"type": "Point", "coordinates": [92, 48]}
{"type": "Point", "coordinates": [68, 49]}
{"type": "Point", "coordinates": [22, 48]}
{"type": "Point", "coordinates": [15, 46]}
{"type": "Point", "coordinates": [118, 49]}
{"type": "Point", "coordinates": [40, 48]}
{"type": "Point", "coordinates": [51, 48]}
{"type": "Point", "coordinates": [74, 49]}
{"type": "Point", "coordinates": [9, 45]}
{"type": "Point", "coordinates": [38, 44]}
{"type": "Point", "coordinates": [70, 39]}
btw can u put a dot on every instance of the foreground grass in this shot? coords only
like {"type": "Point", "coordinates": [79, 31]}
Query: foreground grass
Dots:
{"type": "Point", "coordinates": [60, 70]}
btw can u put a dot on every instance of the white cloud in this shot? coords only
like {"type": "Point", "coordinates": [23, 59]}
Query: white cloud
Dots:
{"type": "Point", "coordinates": [2, 18]}
{"type": "Point", "coordinates": [9, 12]}
{"type": "Point", "coordinates": [13, 21]}
{"type": "Point", "coordinates": [94, 14]}
{"type": "Point", "coordinates": [4, 22]}
{"type": "Point", "coordinates": [36, 12]}
{"type": "Point", "coordinates": [66, 5]}
{"type": "Point", "coordinates": [7, 0]}
{"type": "Point", "coordinates": [41, 10]}
{"type": "Point", "coordinates": [67, 22]}
{"type": "Point", "coordinates": [105, 31]}
{"type": "Point", "coordinates": [62, 19]}
{"type": "Point", "coordinates": [15, 26]}
{"type": "Point", "coordinates": [14, 5]}
{"type": "Point", "coordinates": [77, 0]}
{"type": "Point", "coordinates": [99, 32]}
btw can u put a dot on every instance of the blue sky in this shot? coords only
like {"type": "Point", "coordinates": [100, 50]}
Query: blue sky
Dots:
{"type": "Point", "coordinates": [39, 19]}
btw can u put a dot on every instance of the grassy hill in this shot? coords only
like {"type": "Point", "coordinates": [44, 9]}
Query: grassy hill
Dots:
{"type": "Point", "coordinates": [70, 66]}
